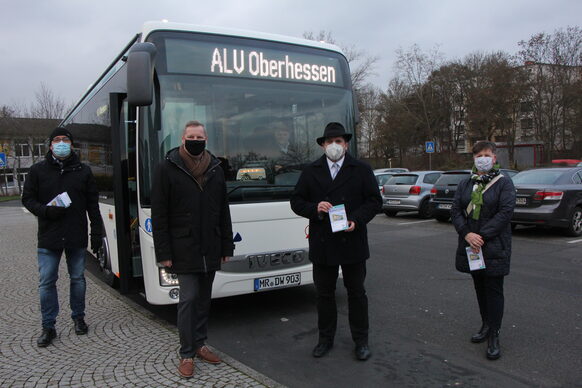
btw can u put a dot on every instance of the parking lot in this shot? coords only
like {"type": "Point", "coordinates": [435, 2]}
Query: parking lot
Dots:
{"type": "Point", "coordinates": [422, 313]}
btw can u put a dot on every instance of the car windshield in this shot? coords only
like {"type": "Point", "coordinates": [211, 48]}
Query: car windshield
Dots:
{"type": "Point", "coordinates": [402, 180]}
{"type": "Point", "coordinates": [537, 177]}
{"type": "Point", "coordinates": [452, 178]}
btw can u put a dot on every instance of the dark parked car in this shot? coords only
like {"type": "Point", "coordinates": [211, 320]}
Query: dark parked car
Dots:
{"type": "Point", "coordinates": [444, 189]}
{"type": "Point", "coordinates": [550, 197]}
{"type": "Point", "coordinates": [443, 192]}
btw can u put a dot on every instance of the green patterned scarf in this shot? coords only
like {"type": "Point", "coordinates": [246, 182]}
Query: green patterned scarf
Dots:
{"type": "Point", "coordinates": [479, 183]}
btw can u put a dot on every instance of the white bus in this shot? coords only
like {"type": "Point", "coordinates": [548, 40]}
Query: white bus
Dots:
{"type": "Point", "coordinates": [263, 98]}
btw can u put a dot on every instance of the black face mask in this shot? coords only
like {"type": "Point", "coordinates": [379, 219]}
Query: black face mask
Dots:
{"type": "Point", "coordinates": [195, 147]}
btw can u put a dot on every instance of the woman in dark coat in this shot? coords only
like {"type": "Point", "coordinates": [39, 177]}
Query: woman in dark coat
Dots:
{"type": "Point", "coordinates": [481, 214]}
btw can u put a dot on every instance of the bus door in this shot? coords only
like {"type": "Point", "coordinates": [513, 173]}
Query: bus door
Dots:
{"type": "Point", "coordinates": [124, 132]}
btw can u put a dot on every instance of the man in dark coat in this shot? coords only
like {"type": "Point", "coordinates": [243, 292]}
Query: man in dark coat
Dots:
{"type": "Point", "coordinates": [62, 228]}
{"type": "Point", "coordinates": [192, 235]}
{"type": "Point", "coordinates": [481, 214]}
{"type": "Point", "coordinates": [338, 179]}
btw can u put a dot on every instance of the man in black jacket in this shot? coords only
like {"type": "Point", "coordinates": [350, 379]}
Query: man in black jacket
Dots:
{"type": "Point", "coordinates": [192, 235]}
{"type": "Point", "coordinates": [62, 228]}
{"type": "Point", "coordinates": [338, 179]}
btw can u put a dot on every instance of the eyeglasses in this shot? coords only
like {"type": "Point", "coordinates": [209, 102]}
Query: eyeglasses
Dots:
{"type": "Point", "coordinates": [58, 139]}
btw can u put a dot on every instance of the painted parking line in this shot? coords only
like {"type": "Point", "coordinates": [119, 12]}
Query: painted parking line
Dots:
{"type": "Point", "coordinates": [414, 222]}
{"type": "Point", "coordinates": [25, 210]}
{"type": "Point", "coordinates": [574, 241]}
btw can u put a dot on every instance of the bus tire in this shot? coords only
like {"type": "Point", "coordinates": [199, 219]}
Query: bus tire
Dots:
{"type": "Point", "coordinates": [104, 259]}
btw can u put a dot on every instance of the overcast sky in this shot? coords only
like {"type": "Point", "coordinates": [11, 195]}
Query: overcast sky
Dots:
{"type": "Point", "coordinates": [68, 44]}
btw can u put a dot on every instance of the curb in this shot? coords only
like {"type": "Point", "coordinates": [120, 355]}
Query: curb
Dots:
{"type": "Point", "coordinates": [143, 311]}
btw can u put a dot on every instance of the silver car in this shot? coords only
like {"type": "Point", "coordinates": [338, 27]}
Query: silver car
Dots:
{"type": "Point", "coordinates": [409, 191]}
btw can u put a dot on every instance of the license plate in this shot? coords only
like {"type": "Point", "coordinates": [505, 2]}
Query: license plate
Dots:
{"type": "Point", "coordinates": [393, 202]}
{"type": "Point", "coordinates": [287, 280]}
{"type": "Point", "coordinates": [521, 201]}
{"type": "Point", "coordinates": [445, 206]}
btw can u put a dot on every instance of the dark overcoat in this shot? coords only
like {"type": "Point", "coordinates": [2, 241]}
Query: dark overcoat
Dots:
{"type": "Point", "coordinates": [494, 225]}
{"type": "Point", "coordinates": [354, 186]}
{"type": "Point", "coordinates": [50, 177]}
{"type": "Point", "coordinates": [190, 223]}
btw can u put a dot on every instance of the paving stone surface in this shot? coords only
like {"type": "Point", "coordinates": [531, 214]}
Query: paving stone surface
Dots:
{"type": "Point", "coordinates": [125, 347]}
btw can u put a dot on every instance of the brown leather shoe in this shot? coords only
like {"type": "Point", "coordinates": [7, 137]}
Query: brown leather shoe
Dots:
{"type": "Point", "coordinates": [207, 356]}
{"type": "Point", "coordinates": [186, 367]}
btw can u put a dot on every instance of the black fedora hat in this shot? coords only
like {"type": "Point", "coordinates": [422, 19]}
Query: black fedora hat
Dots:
{"type": "Point", "coordinates": [334, 130]}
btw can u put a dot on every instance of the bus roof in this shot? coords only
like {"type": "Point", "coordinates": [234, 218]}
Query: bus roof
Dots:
{"type": "Point", "coordinates": [152, 26]}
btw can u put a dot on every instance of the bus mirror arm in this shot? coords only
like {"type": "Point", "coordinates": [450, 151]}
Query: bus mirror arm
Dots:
{"type": "Point", "coordinates": [140, 74]}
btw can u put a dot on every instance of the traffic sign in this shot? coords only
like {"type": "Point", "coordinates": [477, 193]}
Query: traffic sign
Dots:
{"type": "Point", "coordinates": [429, 146]}
{"type": "Point", "coordinates": [2, 159]}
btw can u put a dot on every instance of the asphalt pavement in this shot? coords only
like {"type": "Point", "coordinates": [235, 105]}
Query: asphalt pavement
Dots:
{"type": "Point", "coordinates": [422, 314]}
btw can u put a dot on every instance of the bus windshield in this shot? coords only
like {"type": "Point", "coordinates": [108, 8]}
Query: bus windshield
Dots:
{"type": "Point", "coordinates": [262, 130]}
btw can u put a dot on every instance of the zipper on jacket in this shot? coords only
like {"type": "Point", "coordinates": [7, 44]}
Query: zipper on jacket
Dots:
{"type": "Point", "coordinates": [204, 261]}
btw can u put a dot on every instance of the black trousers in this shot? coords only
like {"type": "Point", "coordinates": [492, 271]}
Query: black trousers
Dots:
{"type": "Point", "coordinates": [325, 278]}
{"type": "Point", "coordinates": [489, 291]}
{"type": "Point", "coordinates": [193, 311]}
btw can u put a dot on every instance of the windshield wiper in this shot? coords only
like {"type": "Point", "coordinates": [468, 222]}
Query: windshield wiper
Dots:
{"type": "Point", "coordinates": [257, 187]}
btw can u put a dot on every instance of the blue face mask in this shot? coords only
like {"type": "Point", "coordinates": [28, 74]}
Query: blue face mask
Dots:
{"type": "Point", "coordinates": [61, 149]}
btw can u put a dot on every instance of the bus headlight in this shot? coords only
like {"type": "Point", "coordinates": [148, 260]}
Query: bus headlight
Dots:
{"type": "Point", "coordinates": [168, 279]}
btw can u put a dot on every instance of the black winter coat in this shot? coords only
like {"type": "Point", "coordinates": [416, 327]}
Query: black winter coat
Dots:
{"type": "Point", "coordinates": [48, 178]}
{"type": "Point", "coordinates": [191, 224]}
{"type": "Point", "coordinates": [354, 186]}
{"type": "Point", "coordinates": [494, 225]}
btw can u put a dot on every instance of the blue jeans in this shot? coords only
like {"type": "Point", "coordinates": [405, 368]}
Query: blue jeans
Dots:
{"type": "Point", "coordinates": [48, 268]}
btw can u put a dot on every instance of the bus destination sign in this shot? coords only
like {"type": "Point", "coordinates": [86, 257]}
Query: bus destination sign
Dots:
{"type": "Point", "coordinates": [185, 56]}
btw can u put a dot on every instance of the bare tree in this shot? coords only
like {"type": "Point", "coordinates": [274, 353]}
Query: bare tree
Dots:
{"type": "Point", "coordinates": [47, 105]}
{"type": "Point", "coordinates": [554, 64]}
{"type": "Point", "coordinates": [361, 63]}
{"type": "Point", "coordinates": [413, 68]}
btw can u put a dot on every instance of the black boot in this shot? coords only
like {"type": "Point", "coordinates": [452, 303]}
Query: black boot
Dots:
{"type": "Point", "coordinates": [46, 337]}
{"type": "Point", "coordinates": [80, 326]}
{"type": "Point", "coordinates": [493, 349]}
{"type": "Point", "coordinates": [481, 335]}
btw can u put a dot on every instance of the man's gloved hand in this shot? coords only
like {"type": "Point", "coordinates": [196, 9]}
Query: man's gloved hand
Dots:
{"type": "Point", "coordinates": [96, 243]}
{"type": "Point", "coordinates": [55, 212]}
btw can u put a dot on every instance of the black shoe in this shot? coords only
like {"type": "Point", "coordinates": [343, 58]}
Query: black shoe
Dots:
{"type": "Point", "coordinates": [482, 335]}
{"type": "Point", "coordinates": [493, 349]}
{"type": "Point", "coordinates": [46, 337]}
{"type": "Point", "coordinates": [321, 349]}
{"type": "Point", "coordinates": [363, 352]}
{"type": "Point", "coordinates": [80, 326]}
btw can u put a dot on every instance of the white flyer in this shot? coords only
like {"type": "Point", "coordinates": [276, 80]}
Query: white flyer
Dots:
{"type": "Point", "coordinates": [476, 261]}
{"type": "Point", "coordinates": [338, 218]}
{"type": "Point", "coordinates": [61, 200]}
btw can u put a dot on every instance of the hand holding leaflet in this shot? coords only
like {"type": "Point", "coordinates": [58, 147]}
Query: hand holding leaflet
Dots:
{"type": "Point", "coordinates": [476, 261]}
{"type": "Point", "coordinates": [61, 200]}
{"type": "Point", "coordinates": [338, 218]}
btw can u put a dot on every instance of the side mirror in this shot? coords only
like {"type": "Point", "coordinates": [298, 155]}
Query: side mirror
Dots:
{"type": "Point", "coordinates": [140, 74]}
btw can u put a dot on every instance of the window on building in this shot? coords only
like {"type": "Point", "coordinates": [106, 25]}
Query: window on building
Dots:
{"type": "Point", "coordinates": [526, 106]}
{"type": "Point", "coordinates": [526, 123]}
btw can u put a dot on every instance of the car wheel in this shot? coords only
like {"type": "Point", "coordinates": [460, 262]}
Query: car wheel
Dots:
{"type": "Point", "coordinates": [575, 228]}
{"type": "Point", "coordinates": [442, 218]}
{"type": "Point", "coordinates": [390, 213]}
{"type": "Point", "coordinates": [425, 211]}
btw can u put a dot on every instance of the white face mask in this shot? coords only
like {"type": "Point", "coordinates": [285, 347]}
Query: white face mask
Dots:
{"type": "Point", "coordinates": [334, 152]}
{"type": "Point", "coordinates": [484, 163]}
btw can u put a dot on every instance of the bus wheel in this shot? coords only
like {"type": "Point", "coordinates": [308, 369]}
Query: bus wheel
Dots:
{"type": "Point", "coordinates": [105, 264]}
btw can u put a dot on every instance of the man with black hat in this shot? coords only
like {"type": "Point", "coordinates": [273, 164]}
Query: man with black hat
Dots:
{"type": "Point", "coordinates": [338, 179]}
{"type": "Point", "coordinates": [62, 226]}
